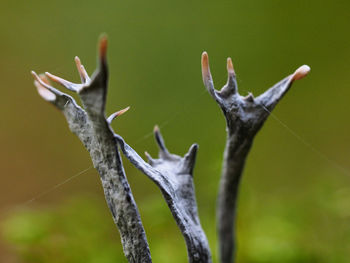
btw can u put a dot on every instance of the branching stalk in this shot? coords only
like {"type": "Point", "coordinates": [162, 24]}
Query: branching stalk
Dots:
{"type": "Point", "coordinates": [244, 117]}
{"type": "Point", "coordinates": [171, 173]}
{"type": "Point", "coordinates": [174, 177]}
{"type": "Point", "coordinates": [93, 129]}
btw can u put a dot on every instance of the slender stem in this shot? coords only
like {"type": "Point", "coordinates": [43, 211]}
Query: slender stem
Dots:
{"type": "Point", "coordinates": [94, 131]}
{"type": "Point", "coordinates": [244, 118]}
{"type": "Point", "coordinates": [235, 155]}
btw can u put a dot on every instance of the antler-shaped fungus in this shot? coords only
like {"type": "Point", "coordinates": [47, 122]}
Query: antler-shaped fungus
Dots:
{"type": "Point", "coordinates": [244, 117]}
{"type": "Point", "coordinates": [171, 173]}
{"type": "Point", "coordinates": [174, 176]}
{"type": "Point", "coordinates": [93, 129]}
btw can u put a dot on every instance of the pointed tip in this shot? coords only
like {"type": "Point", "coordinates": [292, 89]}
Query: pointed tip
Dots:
{"type": "Point", "coordinates": [160, 141]}
{"type": "Point", "coordinates": [149, 158]}
{"type": "Point", "coordinates": [190, 159]}
{"type": "Point", "coordinates": [156, 129]}
{"type": "Point", "coordinates": [231, 86]}
{"type": "Point", "coordinates": [41, 78]}
{"type": "Point", "coordinates": [84, 77]}
{"type": "Point", "coordinates": [42, 90]}
{"type": "Point", "coordinates": [230, 68]}
{"type": "Point", "coordinates": [301, 72]}
{"type": "Point", "coordinates": [194, 148]}
{"type": "Point", "coordinates": [117, 114]}
{"type": "Point", "coordinates": [122, 111]}
{"type": "Point", "coordinates": [54, 78]}
{"type": "Point", "coordinates": [34, 75]}
{"type": "Point", "coordinates": [77, 62]}
{"type": "Point", "coordinates": [205, 67]}
{"type": "Point", "coordinates": [65, 83]}
{"type": "Point", "coordinates": [37, 78]}
{"type": "Point", "coordinates": [103, 43]}
{"type": "Point", "coordinates": [249, 97]}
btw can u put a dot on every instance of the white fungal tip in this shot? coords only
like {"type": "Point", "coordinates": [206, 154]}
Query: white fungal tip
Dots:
{"type": "Point", "coordinates": [43, 92]}
{"type": "Point", "coordinates": [230, 68]}
{"type": "Point", "coordinates": [205, 67]}
{"type": "Point", "coordinates": [301, 72]}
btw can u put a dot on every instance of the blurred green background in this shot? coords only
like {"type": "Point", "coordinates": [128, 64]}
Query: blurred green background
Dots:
{"type": "Point", "coordinates": [294, 202]}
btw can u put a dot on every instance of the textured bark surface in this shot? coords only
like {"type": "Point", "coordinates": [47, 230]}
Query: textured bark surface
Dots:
{"type": "Point", "coordinates": [93, 129]}
{"type": "Point", "coordinates": [244, 117]}
{"type": "Point", "coordinates": [174, 176]}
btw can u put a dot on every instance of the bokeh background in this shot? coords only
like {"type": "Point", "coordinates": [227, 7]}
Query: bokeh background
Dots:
{"type": "Point", "coordinates": [295, 194]}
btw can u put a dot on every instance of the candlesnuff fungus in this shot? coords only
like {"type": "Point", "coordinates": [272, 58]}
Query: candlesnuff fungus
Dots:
{"type": "Point", "coordinates": [244, 117]}
{"type": "Point", "coordinates": [93, 129]}
{"type": "Point", "coordinates": [173, 174]}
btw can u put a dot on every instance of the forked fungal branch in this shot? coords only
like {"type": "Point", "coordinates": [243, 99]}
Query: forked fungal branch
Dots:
{"type": "Point", "coordinates": [173, 174]}
{"type": "Point", "coordinates": [244, 117]}
{"type": "Point", "coordinates": [174, 177]}
{"type": "Point", "coordinates": [93, 129]}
